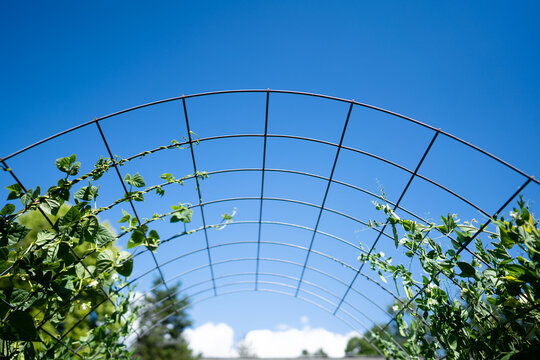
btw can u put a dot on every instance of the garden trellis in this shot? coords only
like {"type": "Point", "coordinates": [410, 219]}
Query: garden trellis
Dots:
{"type": "Point", "coordinates": [350, 294]}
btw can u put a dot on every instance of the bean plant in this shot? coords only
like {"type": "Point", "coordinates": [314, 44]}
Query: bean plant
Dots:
{"type": "Point", "coordinates": [492, 309]}
{"type": "Point", "coordinates": [64, 288]}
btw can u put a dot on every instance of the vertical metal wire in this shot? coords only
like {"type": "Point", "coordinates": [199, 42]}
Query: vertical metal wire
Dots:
{"type": "Point", "coordinates": [261, 198]}
{"type": "Point", "coordinates": [200, 197]}
{"type": "Point", "coordinates": [384, 227]}
{"type": "Point", "coordinates": [325, 195]}
{"type": "Point", "coordinates": [78, 260]}
{"type": "Point", "coordinates": [115, 165]}
{"type": "Point", "coordinates": [262, 191]}
{"type": "Point", "coordinates": [463, 246]}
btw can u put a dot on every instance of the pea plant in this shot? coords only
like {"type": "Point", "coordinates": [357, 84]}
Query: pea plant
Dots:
{"type": "Point", "coordinates": [64, 289]}
{"type": "Point", "coordinates": [491, 311]}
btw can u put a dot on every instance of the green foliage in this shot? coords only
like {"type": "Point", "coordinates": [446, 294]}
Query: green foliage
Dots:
{"type": "Point", "coordinates": [359, 346]}
{"type": "Point", "coordinates": [319, 353]}
{"type": "Point", "coordinates": [59, 286]}
{"type": "Point", "coordinates": [496, 313]}
{"type": "Point", "coordinates": [162, 321]}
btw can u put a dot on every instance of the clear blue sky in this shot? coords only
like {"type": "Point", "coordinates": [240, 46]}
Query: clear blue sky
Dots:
{"type": "Point", "coordinates": [470, 68]}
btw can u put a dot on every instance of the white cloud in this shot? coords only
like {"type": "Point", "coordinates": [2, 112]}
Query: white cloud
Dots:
{"type": "Point", "coordinates": [212, 340]}
{"type": "Point", "coordinates": [218, 340]}
{"type": "Point", "coordinates": [291, 342]}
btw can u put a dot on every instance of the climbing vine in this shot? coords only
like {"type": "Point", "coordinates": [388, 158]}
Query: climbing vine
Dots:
{"type": "Point", "coordinates": [495, 312]}
{"type": "Point", "coordinates": [64, 289]}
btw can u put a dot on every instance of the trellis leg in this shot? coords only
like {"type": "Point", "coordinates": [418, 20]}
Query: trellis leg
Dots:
{"type": "Point", "coordinates": [200, 197]}
{"type": "Point", "coordinates": [262, 191]}
{"type": "Point", "coordinates": [325, 195]}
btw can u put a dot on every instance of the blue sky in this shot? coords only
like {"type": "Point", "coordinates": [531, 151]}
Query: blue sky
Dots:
{"type": "Point", "coordinates": [468, 68]}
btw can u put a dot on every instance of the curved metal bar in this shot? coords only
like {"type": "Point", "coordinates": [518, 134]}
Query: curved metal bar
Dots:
{"type": "Point", "coordinates": [317, 176]}
{"type": "Point", "coordinates": [279, 92]}
{"type": "Point", "coordinates": [243, 222]}
{"type": "Point", "coordinates": [281, 244]}
{"type": "Point", "coordinates": [278, 199]}
{"type": "Point", "coordinates": [146, 309]}
{"type": "Point", "coordinates": [433, 182]}
{"type": "Point", "coordinates": [396, 206]}
{"type": "Point", "coordinates": [277, 261]}
{"type": "Point", "coordinates": [367, 277]}
{"type": "Point", "coordinates": [249, 282]}
{"type": "Point", "coordinates": [351, 102]}
{"type": "Point", "coordinates": [156, 323]}
{"type": "Point", "coordinates": [364, 326]}
{"type": "Point", "coordinates": [158, 266]}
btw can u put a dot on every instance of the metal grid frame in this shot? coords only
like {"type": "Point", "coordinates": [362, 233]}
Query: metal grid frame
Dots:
{"type": "Point", "coordinates": [257, 283]}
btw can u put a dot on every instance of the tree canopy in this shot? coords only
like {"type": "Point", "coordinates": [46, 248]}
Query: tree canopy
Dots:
{"type": "Point", "coordinates": [161, 322]}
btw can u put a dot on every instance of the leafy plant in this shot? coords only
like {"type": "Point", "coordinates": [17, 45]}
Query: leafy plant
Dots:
{"type": "Point", "coordinates": [161, 338]}
{"type": "Point", "coordinates": [495, 314]}
{"type": "Point", "coordinates": [63, 282]}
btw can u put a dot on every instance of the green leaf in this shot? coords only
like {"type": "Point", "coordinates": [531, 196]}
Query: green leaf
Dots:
{"type": "Point", "coordinates": [68, 165]}
{"type": "Point", "coordinates": [124, 218]}
{"type": "Point", "coordinates": [124, 263]}
{"type": "Point", "coordinates": [80, 271]}
{"type": "Point", "coordinates": [8, 209]}
{"type": "Point", "coordinates": [44, 236]}
{"type": "Point", "coordinates": [183, 216]}
{"type": "Point", "coordinates": [136, 239]}
{"type": "Point", "coordinates": [70, 219]}
{"type": "Point", "coordinates": [467, 269]}
{"type": "Point", "coordinates": [86, 193]}
{"type": "Point", "coordinates": [137, 180]}
{"type": "Point", "coordinates": [18, 296]}
{"type": "Point", "coordinates": [452, 341]}
{"type": "Point", "coordinates": [64, 289]}
{"type": "Point", "coordinates": [134, 221]}
{"type": "Point", "coordinates": [104, 261]}
{"type": "Point", "coordinates": [152, 240]}
{"type": "Point", "coordinates": [103, 236]}
{"type": "Point", "coordinates": [26, 197]}
{"type": "Point", "coordinates": [15, 233]}
{"type": "Point", "coordinates": [15, 191]}
{"type": "Point", "coordinates": [91, 230]}
{"type": "Point", "coordinates": [75, 169]}
{"type": "Point", "coordinates": [20, 327]}
{"type": "Point", "coordinates": [167, 177]}
{"type": "Point", "coordinates": [50, 205]}
{"type": "Point", "coordinates": [160, 191]}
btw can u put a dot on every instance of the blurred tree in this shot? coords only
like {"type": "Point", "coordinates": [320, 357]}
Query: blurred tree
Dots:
{"type": "Point", "coordinates": [359, 346]}
{"type": "Point", "coordinates": [320, 353]}
{"type": "Point", "coordinates": [245, 349]}
{"type": "Point", "coordinates": [161, 339]}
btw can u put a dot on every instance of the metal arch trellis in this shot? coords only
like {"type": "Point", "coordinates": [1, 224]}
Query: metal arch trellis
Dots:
{"type": "Point", "coordinates": [330, 180]}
